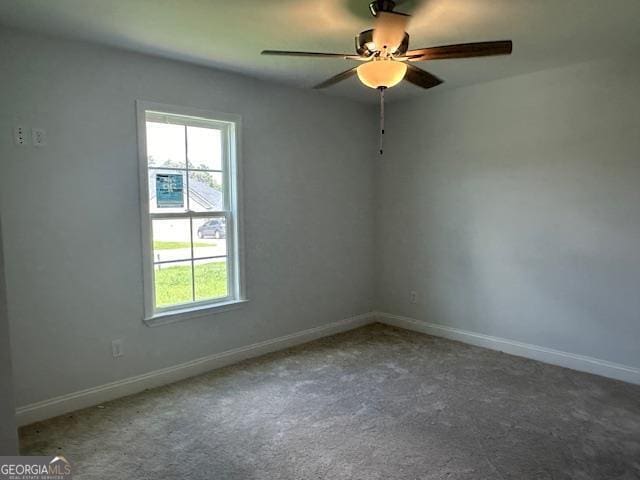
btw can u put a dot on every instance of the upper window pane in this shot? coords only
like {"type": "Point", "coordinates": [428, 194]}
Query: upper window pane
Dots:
{"type": "Point", "coordinates": [206, 191]}
{"type": "Point", "coordinates": [166, 145]}
{"type": "Point", "coordinates": [205, 148]}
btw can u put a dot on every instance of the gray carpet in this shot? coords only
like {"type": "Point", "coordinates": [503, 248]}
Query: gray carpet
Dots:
{"type": "Point", "coordinates": [374, 403]}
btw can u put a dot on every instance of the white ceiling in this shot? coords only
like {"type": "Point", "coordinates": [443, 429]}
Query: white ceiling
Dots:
{"type": "Point", "coordinates": [230, 34]}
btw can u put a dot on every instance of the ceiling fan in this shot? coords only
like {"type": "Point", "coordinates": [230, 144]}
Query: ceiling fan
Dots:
{"type": "Point", "coordinates": [386, 59]}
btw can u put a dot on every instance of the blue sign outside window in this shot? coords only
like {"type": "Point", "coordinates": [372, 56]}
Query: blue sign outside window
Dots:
{"type": "Point", "coordinates": [169, 190]}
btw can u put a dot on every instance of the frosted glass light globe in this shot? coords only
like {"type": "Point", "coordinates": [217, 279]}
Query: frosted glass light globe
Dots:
{"type": "Point", "coordinates": [379, 73]}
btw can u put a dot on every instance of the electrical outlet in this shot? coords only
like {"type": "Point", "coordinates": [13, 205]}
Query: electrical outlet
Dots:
{"type": "Point", "coordinates": [20, 136]}
{"type": "Point", "coordinates": [39, 137]}
{"type": "Point", "coordinates": [413, 296]}
{"type": "Point", "coordinates": [117, 348]}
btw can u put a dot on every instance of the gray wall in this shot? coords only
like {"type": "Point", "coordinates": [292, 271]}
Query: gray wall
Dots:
{"type": "Point", "coordinates": [8, 434]}
{"type": "Point", "coordinates": [72, 219]}
{"type": "Point", "coordinates": [510, 207]}
{"type": "Point", "coordinates": [513, 209]}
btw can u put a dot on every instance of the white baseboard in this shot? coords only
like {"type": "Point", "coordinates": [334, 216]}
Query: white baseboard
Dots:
{"type": "Point", "coordinates": [94, 396]}
{"type": "Point", "coordinates": [547, 355]}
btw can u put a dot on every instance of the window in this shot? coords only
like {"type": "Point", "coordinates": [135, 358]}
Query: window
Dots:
{"type": "Point", "coordinates": [191, 238]}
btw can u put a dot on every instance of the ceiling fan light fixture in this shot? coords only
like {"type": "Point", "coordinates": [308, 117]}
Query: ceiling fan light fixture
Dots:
{"type": "Point", "coordinates": [384, 49]}
{"type": "Point", "coordinates": [381, 72]}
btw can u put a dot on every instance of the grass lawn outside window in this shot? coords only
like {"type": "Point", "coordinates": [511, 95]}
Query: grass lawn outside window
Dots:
{"type": "Point", "coordinates": [173, 283]}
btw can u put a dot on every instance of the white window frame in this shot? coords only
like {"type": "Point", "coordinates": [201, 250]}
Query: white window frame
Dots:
{"type": "Point", "coordinates": [231, 125]}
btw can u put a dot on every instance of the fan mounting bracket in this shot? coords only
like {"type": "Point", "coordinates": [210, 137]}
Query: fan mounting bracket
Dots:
{"type": "Point", "coordinates": [381, 6]}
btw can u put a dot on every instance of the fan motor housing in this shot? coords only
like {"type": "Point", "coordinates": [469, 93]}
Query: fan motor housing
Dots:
{"type": "Point", "coordinates": [365, 39]}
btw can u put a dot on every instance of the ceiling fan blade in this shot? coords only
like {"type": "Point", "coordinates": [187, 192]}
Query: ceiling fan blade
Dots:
{"type": "Point", "coordinates": [286, 53]}
{"type": "Point", "coordinates": [337, 78]}
{"type": "Point", "coordinates": [389, 29]}
{"type": "Point", "coordinates": [463, 50]}
{"type": "Point", "coordinates": [421, 78]}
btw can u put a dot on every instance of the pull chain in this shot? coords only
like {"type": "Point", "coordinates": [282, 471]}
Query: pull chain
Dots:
{"type": "Point", "coordinates": [382, 89]}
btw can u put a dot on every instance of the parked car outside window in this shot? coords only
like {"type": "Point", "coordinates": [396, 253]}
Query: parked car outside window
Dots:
{"type": "Point", "coordinates": [214, 228]}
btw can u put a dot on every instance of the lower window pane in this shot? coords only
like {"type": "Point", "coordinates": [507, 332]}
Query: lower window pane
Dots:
{"type": "Point", "coordinates": [171, 240]}
{"type": "Point", "coordinates": [209, 237]}
{"type": "Point", "coordinates": [173, 282]}
{"type": "Point", "coordinates": [211, 278]}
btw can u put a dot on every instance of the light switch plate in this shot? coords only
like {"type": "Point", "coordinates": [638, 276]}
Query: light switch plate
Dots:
{"type": "Point", "coordinates": [117, 348]}
{"type": "Point", "coordinates": [20, 136]}
{"type": "Point", "coordinates": [39, 137]}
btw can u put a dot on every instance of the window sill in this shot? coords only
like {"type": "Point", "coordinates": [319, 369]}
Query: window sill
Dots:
{"type": "Point", "coordinates": [174, 316]}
